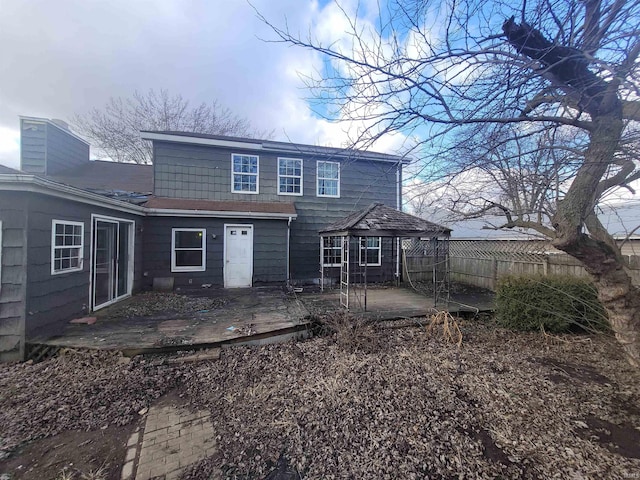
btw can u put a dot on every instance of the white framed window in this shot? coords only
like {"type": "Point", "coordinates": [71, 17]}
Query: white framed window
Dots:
{"type": "Point", "coordinates": [289, 176]}
{"type": "Point", "coordinates": [331, 251]}
{"type": "Point", "coordinates": [188, 249]}
{"type": "Point", "coordinates": [371, 250]}
{"type": "Point", "coordinates": [328, 179]}
{"type": "Point", "coordinates": [244, 173]}
{"type": "Point", "coordinates": [67, 246]}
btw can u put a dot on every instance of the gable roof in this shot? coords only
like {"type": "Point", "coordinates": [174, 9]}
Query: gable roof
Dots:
{"type": "Point", "coordinates": [383, 221]}
{"type": "Point", "coordinates": [269, 146]}
{"type": "Point", "coordinates": [106, 177]}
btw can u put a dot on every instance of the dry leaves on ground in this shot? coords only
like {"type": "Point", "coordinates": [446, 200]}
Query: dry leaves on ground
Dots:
{"type": "Point", "coordinates": [418, 407]}
{"type": "Point", "coordinates": [151, 303]}
{"type": "Point", "coordinates": [76, 391]}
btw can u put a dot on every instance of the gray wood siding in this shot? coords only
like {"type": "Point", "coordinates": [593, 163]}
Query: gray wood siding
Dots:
{"type": "Point", "coordinates": [64, 151]}
{"type": "Point", "coordinates": [13, 216]}
{"type": "Point", "coordinates": [33, 149]}
{"type": "Point", "coordinates": [54, 299]}
{"type": "Point", "coordinates": [269, 252]}
{"type": "Point", "coordinates": [203, 172]}
{"type": "Point", "coordinates": [45, 148]}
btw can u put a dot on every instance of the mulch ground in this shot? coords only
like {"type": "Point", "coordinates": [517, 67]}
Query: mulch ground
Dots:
{"type": "Point", "coordinates": [382, 403]}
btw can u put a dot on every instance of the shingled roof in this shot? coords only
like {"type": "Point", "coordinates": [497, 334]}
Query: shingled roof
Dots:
{"type": "Point", "coordinates": [381, 221]}
{"type": "Point", "coordinates": [102, 176]}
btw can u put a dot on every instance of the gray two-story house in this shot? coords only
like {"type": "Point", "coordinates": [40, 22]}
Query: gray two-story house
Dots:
{"type": "Point", "coordinates": [79, 235]}
{"type": "Point", "coordinates": [250, 210]}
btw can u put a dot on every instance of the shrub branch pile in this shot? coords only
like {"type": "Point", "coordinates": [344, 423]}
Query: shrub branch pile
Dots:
{"type": "Point", "coordinates": [554, 303]}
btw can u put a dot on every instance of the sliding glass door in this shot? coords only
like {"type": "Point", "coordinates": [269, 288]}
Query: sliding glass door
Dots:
{"type": "Point", "coordinates": [112, 260]}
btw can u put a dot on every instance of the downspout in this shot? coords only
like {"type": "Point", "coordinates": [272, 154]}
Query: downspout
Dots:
{"type": "Point", "coordinates": [399, 208]}
{"type": "Point", "coordinates": [288, 252]}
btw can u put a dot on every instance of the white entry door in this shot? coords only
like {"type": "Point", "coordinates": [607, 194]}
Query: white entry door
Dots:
{"type": "Point", "coordinates": [238, 256]}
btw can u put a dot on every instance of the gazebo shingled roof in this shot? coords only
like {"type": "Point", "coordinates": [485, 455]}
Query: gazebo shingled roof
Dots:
{"type": "Point", "coordinates": [378, 220]}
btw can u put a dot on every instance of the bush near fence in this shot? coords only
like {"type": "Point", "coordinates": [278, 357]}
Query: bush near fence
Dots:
{"type": "Point", "coordinates": [556, 303]}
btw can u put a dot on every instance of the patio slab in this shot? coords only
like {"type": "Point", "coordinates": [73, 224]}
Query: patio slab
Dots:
{"type": "Point", "coordinates": [388, 303]}
{"type": "Point", "coordinates": [246, 315]}
{"type": "Point", "coordinates": [250, 316]}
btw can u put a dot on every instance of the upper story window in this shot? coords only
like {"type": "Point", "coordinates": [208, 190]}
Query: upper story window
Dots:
{"type": "Point", "coordinates": [244, 173]}
{"type": "Point", "coordinates": [67, 242]}
{"type": "Point", "coordinates": [289, 176]}
{"type": "Point", "coordinates": [370, 251]}
{"type": "Point", "coordinates": [188, 249]}
{"type": "Point", "coordinates": [328, 179]}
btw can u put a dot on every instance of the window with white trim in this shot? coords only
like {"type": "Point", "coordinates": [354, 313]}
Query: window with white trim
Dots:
{"type": "Point", "coordinates": [331, 251]}
{"type": "Point", "coordinates": [244, 173]}
{"type": "Point", "coordinates": [67, 246]}
{"type": "Point", "coordinates": [328, 179]}
{"type": "Point", "coordinates": [188, 249]}
{"type": "Point", "coordinates": [289, 176]}
{"type": "Point", "coordinates": [371, 250]}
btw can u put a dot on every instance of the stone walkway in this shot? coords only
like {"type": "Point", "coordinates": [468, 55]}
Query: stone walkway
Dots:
{"type": "Point", "coordinates": [172, 439]}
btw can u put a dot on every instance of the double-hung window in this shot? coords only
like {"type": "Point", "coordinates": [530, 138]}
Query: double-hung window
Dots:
{"type": "Point", "coordinates": [370, 251]}
{"type": "Point", "coordinates": [188, 249]}
{"type": "Point", "coordinates": [331, 251]}
{"type": "Point", "coordinates": [289, 176]}
{"type": "Point", "coordinates": [244, 173]}
{"type": "Point", "coordinates": [67, 242]}
{"type": "Point", "coordinates": [328, 174]}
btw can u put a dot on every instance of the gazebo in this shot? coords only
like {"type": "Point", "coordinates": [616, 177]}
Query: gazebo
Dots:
{"type": "Point", "coordinates": [368, 244]}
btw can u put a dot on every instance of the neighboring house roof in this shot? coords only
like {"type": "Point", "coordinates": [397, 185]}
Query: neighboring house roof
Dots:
{"type": "Point", "coordinates": [269, 145]}
{"type": "Point", "coordinates": [379, 220]}
{"type": "Point", "coordinates": [102, 176]}
{"type": "Point", "coordinates": [482, 229]}
{"type": "Point", "coordinates": [620, 220]}
{"type": "Point", "coordinates": [175, 206]}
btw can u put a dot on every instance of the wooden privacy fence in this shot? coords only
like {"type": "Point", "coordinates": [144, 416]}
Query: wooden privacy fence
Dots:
{"type": "Point", "coordinates": [483, 262]}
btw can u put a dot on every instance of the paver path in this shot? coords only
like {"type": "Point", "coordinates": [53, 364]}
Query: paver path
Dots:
{"type": "Point", "coordinates": [172, 439]}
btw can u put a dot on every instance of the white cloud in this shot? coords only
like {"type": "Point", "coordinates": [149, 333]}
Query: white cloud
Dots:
{"type": "Point", "coordinates": [65, 58]}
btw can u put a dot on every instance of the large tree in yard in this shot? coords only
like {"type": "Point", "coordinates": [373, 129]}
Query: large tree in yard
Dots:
{"type": "Point", "coordinates": [115, 129]}
{"type": "Point", "coordinates": [558, 75]}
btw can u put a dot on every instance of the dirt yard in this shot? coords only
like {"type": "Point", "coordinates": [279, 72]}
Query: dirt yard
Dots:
{"type": "Point", "coordinates": [387, 403]}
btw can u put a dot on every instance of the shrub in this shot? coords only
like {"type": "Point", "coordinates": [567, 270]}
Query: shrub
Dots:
{"type": "Point", "coordinates": [558, 303]}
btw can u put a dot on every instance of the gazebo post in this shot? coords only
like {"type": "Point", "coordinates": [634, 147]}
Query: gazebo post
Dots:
{"type": "Point", "coordinates": [366, 251]}
{"type": "Point", "coordinates": [321, 264]}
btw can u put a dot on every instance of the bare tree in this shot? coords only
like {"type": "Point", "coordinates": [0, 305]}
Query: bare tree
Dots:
{"type": "Point", "coordinates": [434, 68]}
{"type": "Point", "coordinates": [115, 129]}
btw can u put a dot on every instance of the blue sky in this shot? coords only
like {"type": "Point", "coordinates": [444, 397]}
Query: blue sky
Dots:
{"type": "Point", "coordinates": [66, 57]}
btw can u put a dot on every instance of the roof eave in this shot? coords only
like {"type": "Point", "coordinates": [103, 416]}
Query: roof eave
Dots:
{"type": "Point", "coordinates": [33, 183]}
{"type": "Point", "coordinates": [260, 145]}
{"type": "Point", "coordinates": [176, 212]}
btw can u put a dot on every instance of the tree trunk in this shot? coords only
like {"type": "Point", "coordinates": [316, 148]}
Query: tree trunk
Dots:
{"type": "Point", "coordinates": [609, 269]}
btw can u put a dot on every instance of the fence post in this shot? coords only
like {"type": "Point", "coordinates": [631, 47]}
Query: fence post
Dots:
{"type": "Point", "coordinates": [495, 272]}
{"type": "Point", "coordinates": [545, 265]}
